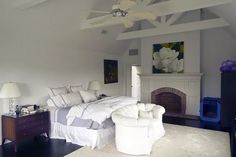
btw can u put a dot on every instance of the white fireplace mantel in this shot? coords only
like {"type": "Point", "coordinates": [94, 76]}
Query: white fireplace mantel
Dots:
{"type": "Point", "coordinates": [189, 83]}
{"type": "Point", "coordinates": [173, 75]}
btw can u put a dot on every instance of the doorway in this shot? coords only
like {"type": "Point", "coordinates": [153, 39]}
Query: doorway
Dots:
{"type": "Point", "coordinates": [135, 82]}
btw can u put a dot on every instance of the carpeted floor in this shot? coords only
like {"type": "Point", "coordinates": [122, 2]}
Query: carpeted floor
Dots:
{"type": "Point", "coordinates": [179, 141]}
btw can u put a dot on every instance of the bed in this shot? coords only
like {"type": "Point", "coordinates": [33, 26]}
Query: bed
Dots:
{"type": "Point", "coordinates": [87, 124]}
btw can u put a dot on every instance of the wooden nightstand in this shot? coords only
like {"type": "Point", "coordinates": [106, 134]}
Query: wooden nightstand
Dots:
{"type": "Point", "coordinates": [19, 128]}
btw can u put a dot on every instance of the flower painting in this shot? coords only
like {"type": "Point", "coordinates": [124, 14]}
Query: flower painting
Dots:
{"type": "Point", "coordinates": [168, 58]}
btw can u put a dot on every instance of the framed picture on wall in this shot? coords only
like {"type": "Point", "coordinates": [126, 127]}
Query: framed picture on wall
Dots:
{"type": "Point", "coordinates": [168, 57]}
{"type": "Point", "coordinates": [110, 71]}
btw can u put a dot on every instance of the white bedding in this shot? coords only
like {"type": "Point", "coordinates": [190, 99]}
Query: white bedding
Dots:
{"type": "Point", "coordinates": [99, 110]}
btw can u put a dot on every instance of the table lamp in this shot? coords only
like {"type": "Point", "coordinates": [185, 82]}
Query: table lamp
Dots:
{"type": "Point", "coordinates": [10, 91]}
{"type": "Point", "coordinates": [94, 85]}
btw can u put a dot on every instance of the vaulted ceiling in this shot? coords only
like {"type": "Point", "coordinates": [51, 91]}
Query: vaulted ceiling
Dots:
{"type": "Point", "coordinates": [228, 12]}
{"type": "Point", "coordinates": [58, 22]}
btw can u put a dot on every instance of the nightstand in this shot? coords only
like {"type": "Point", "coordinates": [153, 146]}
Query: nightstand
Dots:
{"type": "Point", "coordinates": [19, 128]}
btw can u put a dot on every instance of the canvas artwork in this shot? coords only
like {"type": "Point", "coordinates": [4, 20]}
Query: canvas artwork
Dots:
{"type": "Point", "coordinates": [168, 58]}
{"type": "Point", "coordinates": [110, 71]}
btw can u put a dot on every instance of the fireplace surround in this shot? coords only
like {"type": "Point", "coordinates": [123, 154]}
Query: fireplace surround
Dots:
{"type": "Point", "coordinates": [187, 84]}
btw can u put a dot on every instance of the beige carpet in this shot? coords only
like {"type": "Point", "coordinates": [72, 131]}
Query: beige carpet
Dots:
{"type": "Point", "coordinates": [179, 141]}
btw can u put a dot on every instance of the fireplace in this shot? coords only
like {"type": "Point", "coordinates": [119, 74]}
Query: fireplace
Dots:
{"type": "Point", "coordinates": [172, 99]}
{"type": "Point", "coordinates": [180, 92]}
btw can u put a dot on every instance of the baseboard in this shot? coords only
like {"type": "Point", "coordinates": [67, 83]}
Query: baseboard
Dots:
{"type": "Point", "coordinates": [193, 117]}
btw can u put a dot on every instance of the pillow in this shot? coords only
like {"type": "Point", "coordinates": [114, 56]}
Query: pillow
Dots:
{"type": "Point", "coordinates": [50, 103]}
{"type": "Point", "coordinates": [58, 101]}
{"type": "Point", "coordinates": [56, 91]}
{"type": "Point", "coordinates": [76, 88]}
{"type": "Point", "coordinates": [88, 96]}
{"type": "Point", "coordinates": [145, 114]}
{"type": "Point", "coordinates": [65, 100]}
{"type": "Point", "coordinates": [72, 99]}
{"type": "Point", "coordinates": [130, 111]}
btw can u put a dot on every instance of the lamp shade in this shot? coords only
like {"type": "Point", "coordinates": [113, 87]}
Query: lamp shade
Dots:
{"type": "Point", "coordinates": [94, 85]}
{"type": "Point", "coordinates": [10, 90]}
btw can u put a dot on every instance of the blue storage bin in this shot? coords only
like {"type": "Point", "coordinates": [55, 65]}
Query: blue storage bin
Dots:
{"type": "Point", "coordinates": [210, 109]}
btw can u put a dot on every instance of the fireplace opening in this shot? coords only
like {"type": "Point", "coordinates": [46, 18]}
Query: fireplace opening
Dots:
{"type": "Point", "coordinates": [172, 99]}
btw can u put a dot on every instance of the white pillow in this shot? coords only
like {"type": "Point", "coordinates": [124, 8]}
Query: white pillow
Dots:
{"type": "Point", "coordinates": [88, 96]}
{"type": "Point", "coordinates": [56, 91]}
{"type": "Point", "coordinates": [145, 114]}
{"type": "Point", "coordinates": [76, 88]}
{"type": "Point", "coordinates": [130, 111]}
{"type": "Point", "coordinates": [50, 103]}
{"type": "Point", "coordinates": [65, 100]}
{"type": "Point", "coordinates": [58, 101]}
{"type": "Point", "coordinates": [72, 99]}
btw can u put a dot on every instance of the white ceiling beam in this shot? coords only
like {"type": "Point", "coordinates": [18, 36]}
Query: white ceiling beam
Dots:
{"type": "Point", "coordinates": [25, 4]}
{"type": "Point", "coordinates": [174, 18]}
{"type": "Point", "coordinates": [154, 23]}
{"type": "Point", "coordinates": [178, 28]}
{"type": "Point", "coordinates": [177, 6]}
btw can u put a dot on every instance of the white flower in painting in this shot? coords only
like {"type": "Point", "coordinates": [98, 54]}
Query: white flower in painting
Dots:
{"type": "Point", "coordinates": [167, 53]}
{"type": "Point", "coordinates": [157, 61]}
{"type": "Point", "coordinates": [177, 65]}
{"type": "Point", "coordinates": [166, 60]}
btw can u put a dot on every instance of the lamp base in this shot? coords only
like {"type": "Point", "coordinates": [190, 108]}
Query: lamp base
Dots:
{"type": "Point", "coordinates": [11, 106]}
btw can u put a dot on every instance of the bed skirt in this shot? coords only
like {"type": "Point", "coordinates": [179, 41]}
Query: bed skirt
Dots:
{"type": "Point", "coordinates": [83, 136]}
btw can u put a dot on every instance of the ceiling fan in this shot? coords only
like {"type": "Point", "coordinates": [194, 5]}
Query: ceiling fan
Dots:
{"type": "Point", "coordinates": [126, 12]}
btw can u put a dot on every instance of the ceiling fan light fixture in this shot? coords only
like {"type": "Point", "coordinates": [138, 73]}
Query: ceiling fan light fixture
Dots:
{"type": "Point", "coordinates": [119, 13]}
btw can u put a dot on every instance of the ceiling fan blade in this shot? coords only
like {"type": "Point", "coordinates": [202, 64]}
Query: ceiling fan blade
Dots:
{"type": "Point", "coordinates": [102, 21]}
{"type": "Point", "coordinates": [146, 2]}
{"type": "Point", "coordinates": [27, 4]}
{"type": "Point", "coordinates": [144, 15]}
{"type": "Point", "coordinates": [127, 23]}
{"type": "Point", "coordinates": [127, 4]}
{"type": "Point", "coordinates": [99, 12]}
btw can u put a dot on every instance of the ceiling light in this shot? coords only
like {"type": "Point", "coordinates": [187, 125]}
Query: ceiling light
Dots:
{"type": "Point", "coordinates": [119, 13]}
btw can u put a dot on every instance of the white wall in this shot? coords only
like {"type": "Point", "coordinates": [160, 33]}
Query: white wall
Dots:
{"type": "Point", "coordinates": [216, 46]}
{"type": "Point", "coordinates": [128, 61]}
{"type": "Point", "coordinates": [40, 69]}
{"type": "Point", "coordinates": [133, 60]}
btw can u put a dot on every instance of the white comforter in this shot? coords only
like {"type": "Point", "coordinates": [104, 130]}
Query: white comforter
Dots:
{"type": "Point", "coordinates": [98, 110]}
